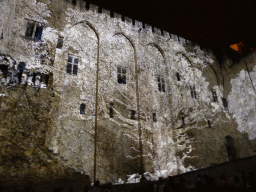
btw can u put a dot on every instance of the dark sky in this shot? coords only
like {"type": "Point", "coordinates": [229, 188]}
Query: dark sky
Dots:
{"type": "Point", "coordinates": [214, 24]}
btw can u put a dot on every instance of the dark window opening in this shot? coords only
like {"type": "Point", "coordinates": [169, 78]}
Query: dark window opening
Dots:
{"type": "Point", "coordinates": [193, 91]}
{"type": "Point", "coordinates": [225, 103]}
{"type": "Point", "coordinates": [4, 69]}
{"type": "Point", "coordinates": [20, 75]}
{"type": "Point", "coordinates": [87, 6]}
{"type": "Point", "coordinates": [111, 112]}
{"type": "Point", "coordinates": [183, 120]}
{"type": "Point", "coordinates": [75, 67]}
{"type": "Point", "coordinates": [153, 29]}
{"type": "Point", "coordinates": [60, 43]}
{"type": "Point", "coordinates": [161, 84]}
{"type": "Point", "coordinates": [178, 76]}
{"type": "Point", "coordinates": [74, 2]}
{"type": "Point", "coordinates": [214, 96]}
{"type": "Point", "coordinates": [44, 78]}
{"type": "Point", "coordinates": [2, 35]}
{"type": "Point", "coordinates": [69, 68]}
{"type": "Point", "coordinates": [39, 32]}
{"type": "Point", "coordinates": [132, 114]}
{"type": "Point", "coordinates": [154, 117]}
{"type": "Point", "coordinates": [72, 66]}
{"type": "Point", "coordinates": [34, 30]}
{"type": "Point", "coordinates": [133, 21]}
{"type": "Point", "coordinates": [121, 75]}
{"type": "Point", "coordinates": [34, 78]}
{"type": "Point", "coordinates": [30, 29]}
{"type": "Point", "coordinates": [21, 66]}
{"type": "Point", "coordinates": [47, 79]}
{"type": "Point", "coordinates": [143, 25]}
{"type": "Point", "coordinates": [209, 123]}
{"type": "Point", "coordinates": [230, 148]}
{"type": "Point", "coordinates": [82, 109]}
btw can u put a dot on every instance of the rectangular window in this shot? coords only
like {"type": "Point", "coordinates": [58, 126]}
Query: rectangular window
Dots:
{"type": "Point", "coordinates": [225, 103]}
{"type": "Point", "coordinates": [39, 32]}
{"type": "Point", "coordinates": [30, 29]}
{"type": "Point", "coordinates": [183, 120]}
{"type": "Point", "coordinates": [72, 66]}
{"type": "Point", "coordinates": [178, 76]}
{"type": "Point", "coordinates": [154, 117]}
{"type": "Point", "coordinates": [193, 91]}
{"type": "Point", "coordinates": [161, 83]}
{"type": "Point", "coordinates": [121, 75]}
{"type": "Point", "coordinates": [34, 30]}
{"type": "Point", "coordinates": [82, 109]}
{"type": "Point", "coordinates": [214, 96]}
{"type": "Point", "coordinates": [209, 123]}
{"type": "Point", "coordinates": [132, 114]}
{"type": "Point", "coordinates": [111, 112]}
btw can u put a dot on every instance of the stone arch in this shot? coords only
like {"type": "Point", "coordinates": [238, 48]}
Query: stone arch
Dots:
{"type": "Point", "coordinates": [129, 39]}
{"type": "Point", "coordinates": [159, 49]}
{"type": "Point", "coordinates": [90, 25]}
{"type": "Point", "coordinates": [214, 71]}
{"type": "Point", "coordinates": [97, 88]}
{"type": "Point", "coordinates": [141, 166]}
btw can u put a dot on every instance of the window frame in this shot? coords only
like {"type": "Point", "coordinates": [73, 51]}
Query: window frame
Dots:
{"type": "Point", "coordinates": [193, 91]}
{"type": "Point", "coordinates": [214, 96]}
{"type": "Point", "coordinates": [36, 32]}
{"type": "Point", "coordinates": [82, 109]}
{"type": "Point", "coordinates": [71, 65]}
{"type": "Point", "coordinates": [161, 83]}
{"type": "Point", "coordinates": [122, 74]}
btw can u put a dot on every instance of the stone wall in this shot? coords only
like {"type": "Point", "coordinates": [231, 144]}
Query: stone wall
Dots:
{"type": "Point", "coordinates": [124, 68]}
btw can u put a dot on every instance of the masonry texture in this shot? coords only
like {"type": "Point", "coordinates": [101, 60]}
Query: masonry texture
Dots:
{"type": "Point", "coordinates": [74, 79]}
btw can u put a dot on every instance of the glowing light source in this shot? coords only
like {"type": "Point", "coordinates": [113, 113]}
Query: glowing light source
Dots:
{"type": "Point", "coordinates": [237, 47]}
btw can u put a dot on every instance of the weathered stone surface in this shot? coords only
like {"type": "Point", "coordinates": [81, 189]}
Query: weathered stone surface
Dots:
{"type": "Point", "coordinates": [164, 75]}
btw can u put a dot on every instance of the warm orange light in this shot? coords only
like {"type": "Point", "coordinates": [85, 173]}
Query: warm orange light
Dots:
{"type": "Point", "coordinates": [237, 47]}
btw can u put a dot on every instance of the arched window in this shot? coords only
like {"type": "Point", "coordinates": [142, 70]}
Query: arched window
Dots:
{"type": "Point", "coordinates": [82, 109]}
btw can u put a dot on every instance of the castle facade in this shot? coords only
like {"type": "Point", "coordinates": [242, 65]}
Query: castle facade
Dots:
{"type": "Point", "coordinates": [122, 97]}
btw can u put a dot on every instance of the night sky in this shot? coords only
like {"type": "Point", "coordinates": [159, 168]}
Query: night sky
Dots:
{"type": "Point", "coordinates": [214, 24]}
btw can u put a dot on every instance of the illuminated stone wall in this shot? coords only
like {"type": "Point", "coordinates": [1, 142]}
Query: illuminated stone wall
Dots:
{"type": "Point", "coordinates": [190, 127]}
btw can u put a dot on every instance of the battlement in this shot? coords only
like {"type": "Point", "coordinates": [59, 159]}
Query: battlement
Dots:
{"type": "Point", "coordinates": [87, 6]}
